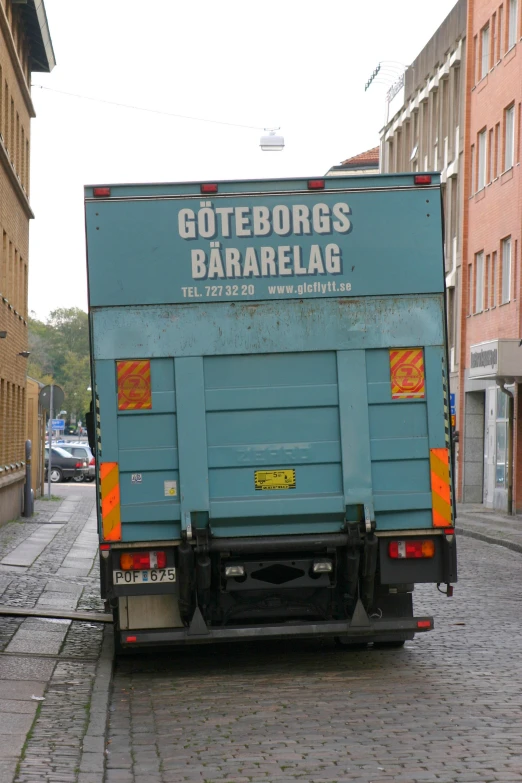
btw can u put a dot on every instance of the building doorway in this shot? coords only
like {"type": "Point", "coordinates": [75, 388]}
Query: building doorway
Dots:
{"type": "Point", "coordinates": [474, 429]}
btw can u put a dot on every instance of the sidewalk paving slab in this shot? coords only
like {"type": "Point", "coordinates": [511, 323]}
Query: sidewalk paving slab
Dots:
{"type": "Point", "coordinates": [51, 673]}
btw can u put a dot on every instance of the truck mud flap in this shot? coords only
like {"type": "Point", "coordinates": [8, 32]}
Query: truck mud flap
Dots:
{"type": "Point", "coordinates": [374, 631]}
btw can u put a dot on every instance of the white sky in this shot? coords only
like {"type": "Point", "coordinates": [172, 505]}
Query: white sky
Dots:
{"type": "Point", "coordinates": [297, 64]}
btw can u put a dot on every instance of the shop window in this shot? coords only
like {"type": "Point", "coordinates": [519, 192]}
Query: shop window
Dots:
{"type": "Point", "coordinates": [501, 457]}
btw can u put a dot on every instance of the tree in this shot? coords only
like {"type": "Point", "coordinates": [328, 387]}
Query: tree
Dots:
{"type": "Point", "coordinates": [76, 378]}
{"type": "Point", "coordinates": [60, 354]}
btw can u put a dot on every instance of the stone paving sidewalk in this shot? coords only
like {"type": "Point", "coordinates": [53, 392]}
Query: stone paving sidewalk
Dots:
{"type": "Point", "coordinates": [54, 673]}
{"type": "Point", "coordinates": [476, 521]}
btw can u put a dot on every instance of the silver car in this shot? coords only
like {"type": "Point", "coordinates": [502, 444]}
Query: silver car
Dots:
{"type": "Point", "coordinates": [82, 451]}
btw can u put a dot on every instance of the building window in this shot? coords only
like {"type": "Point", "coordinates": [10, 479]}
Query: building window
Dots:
{"type": "Point", "coordinates": [491, 147]}
{"type": "Point", "coordinates": [481, 162]}
{"type": "Point", "coordinates": [470, 287]}
{"type": "Point", "coordinates": [493, 292]}
{"type": "Point", "coordinates": [487, 281]}
{"type": "Point", "coordinates": [479, 282]}
{"type": "Point", "coordinates": [391, 161]}
{"type": "Point", "coordinates": [484, 51]}
{"type": "Point", "coordinates": [424, 131]}
{"type": "Point", "coordinates": [512, 23]}
{"type": "Point", "coordinates": [472, 182]}
{"type": "Point", "coordinates": [509, 138]}
{"type": "Point", "coordinates": [506, 269]}
{"type": "Point", "coordinates": [500, 31]}
{"type": "Point", "coordinates": [496, 165]}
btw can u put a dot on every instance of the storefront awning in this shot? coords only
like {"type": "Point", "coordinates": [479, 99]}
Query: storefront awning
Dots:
{"type": "Point", "coordinates": [497, 360]}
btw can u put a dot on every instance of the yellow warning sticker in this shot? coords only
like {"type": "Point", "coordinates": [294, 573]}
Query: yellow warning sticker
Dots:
{"type": "Point", "coordinates": [407, 374]}
{"type": "Point", "coordinates": [274, 479]}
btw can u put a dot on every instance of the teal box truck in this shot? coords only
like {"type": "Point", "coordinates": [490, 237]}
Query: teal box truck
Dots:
{"type": "Point", "coordinates": [270, 407]}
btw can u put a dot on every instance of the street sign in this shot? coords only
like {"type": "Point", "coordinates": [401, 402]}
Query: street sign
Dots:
{"type": "Point", "coordinates": [58, 424]}
{"type": "Point", "coordinates": [58, 397]}
{"type": "Point", "coordinates": [453, 410]}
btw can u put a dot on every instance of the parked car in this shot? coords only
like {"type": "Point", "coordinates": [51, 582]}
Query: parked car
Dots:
{"type": "Point", "coordinates": [82, 451]}
{"type": "Point", "coordinates": [64, 466]}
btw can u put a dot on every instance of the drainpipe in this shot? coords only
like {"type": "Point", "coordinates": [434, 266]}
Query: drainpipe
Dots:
{"type": "Point", "coordinates": [511, 411]}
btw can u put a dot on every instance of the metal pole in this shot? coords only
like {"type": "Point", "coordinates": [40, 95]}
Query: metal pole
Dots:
{"type": "Point", "coordinates": [28, 493]}
{"type": "Point", "coordinates": [49, 463]}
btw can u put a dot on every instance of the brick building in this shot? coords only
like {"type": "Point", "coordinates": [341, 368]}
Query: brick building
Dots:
{"type": "Point", "coordinates": [25, 47]}
{"type": "Point", "coordinates": [491, 449]}
{"type": "Point", "coordinates": [425, 132]}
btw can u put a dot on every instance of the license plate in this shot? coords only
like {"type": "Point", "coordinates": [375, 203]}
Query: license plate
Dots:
{"type": "Point", "coordinates": [153, 577]}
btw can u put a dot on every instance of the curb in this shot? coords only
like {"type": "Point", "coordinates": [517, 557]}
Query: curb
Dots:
{"type": "Point", "coordinates": [92, 760]}
{"type": "Point", "coordinates": [489, 539]}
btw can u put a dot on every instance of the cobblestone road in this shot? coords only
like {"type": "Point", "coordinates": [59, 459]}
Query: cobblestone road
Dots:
{"type": "Point", "coordinates": [445, 708]}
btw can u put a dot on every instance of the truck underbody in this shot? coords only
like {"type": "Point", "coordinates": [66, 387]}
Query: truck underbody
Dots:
{"type": "Point", "coordinates": [341, 585]}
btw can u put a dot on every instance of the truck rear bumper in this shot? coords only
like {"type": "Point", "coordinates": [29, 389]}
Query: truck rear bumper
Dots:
{"type": "Point", "coordinates": [374, 631]}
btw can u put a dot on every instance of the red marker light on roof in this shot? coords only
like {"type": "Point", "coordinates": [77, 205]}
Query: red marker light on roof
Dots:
{"type": "Point", "coordinates": [209, 188]}
{"type": "Point", "coordinates": [316, 184]}
{"type": "Point", "coordinates": [98, 192]}
{"type": "Point", "coordinates": [423, 179]}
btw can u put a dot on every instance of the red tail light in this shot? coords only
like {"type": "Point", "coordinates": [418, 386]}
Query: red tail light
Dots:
{"type": "Point", "coordinates": [405, 549]}
{"type": "Point", "coordinates": [142, 561]}
{"type": "Point", "coordinates": [423, 623]}
{"type": "Point", "coordinates": [92, 461]}
{"type": "Point", "coordinates": [79, 464]}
